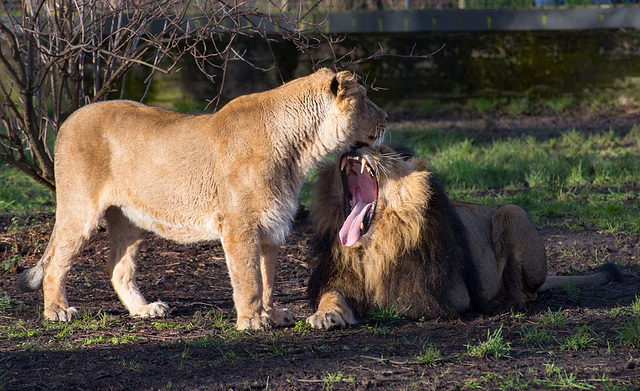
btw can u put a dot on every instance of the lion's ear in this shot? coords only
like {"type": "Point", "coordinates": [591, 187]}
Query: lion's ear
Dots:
{"type": "Point", "coordinates": [346, 82]}
{"type": "Point", "coordinates": [419, 164]}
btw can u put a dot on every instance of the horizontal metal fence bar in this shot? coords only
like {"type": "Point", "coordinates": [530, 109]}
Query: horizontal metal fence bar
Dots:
{"type": "Point", "coordinates": [483, 20]}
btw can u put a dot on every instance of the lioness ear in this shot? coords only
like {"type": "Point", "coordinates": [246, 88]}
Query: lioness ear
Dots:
{"type": "Point", "coordinates": [334, 86]}
{"type": "Point", "coordinates": [346, 82]}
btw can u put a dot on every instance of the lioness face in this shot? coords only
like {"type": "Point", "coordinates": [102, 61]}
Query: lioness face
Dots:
{"type": "Point", "coordinates": [373, 179]}
{"type": "Point", "coordinates": [367, 120]}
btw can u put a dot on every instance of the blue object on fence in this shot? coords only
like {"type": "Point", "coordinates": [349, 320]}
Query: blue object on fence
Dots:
{"type": "Point", "coordinates": [549, 3]}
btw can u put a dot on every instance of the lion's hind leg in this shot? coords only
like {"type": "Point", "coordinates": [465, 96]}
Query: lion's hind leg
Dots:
{"type": "Point", "coordinates": [125, 239]}
{"type": "Point", "coordinates": [333, 311]}
{"type": "Point", "coordinates": [520, 249]}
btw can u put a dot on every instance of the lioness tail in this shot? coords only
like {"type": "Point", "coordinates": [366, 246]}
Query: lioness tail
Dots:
{"type": "Point", "coordinates": [31, 279]}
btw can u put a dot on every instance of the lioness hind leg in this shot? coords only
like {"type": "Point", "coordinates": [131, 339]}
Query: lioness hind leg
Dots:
{"type": "Point", "coordinates": [125, 239]}
{"type": "Point", "coordinates": [70, 234]}
{"type": "Point", "coordinates": [516, 241]}
{"type": "Point", "coordinates": [268, 264]}
{"type": "Point", "coordinates": [333, 311]}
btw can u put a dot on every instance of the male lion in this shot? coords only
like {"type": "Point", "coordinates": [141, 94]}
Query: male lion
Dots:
{"type": "Point", "coordinates": [234, 176]}
{"type": "Point", "coordinates": [387, 235]}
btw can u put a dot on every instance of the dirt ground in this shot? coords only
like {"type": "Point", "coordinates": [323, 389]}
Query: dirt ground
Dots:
{"type": "Point", "coordinates": [194, 348]}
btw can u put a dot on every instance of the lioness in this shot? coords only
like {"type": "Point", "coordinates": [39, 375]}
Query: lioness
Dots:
{"type": "Point", "coordinates": [234, 176]}
{"type": "Point", "coordinates": [387, 235]}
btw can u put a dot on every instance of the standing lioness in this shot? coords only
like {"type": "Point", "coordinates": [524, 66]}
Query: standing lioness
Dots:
{"type": "Point", "coordinates": [234, 176]}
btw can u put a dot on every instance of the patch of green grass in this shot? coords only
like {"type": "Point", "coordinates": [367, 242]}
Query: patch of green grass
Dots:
{"type": "Point", "coordinates": [429, 356]}
{"type": "Point", "coordinates": [580, 340]}
{"type": "Point", "coordinates": [301, 327]}
{"type": "Point", "coordinates": [99, 340]}
{"type": "Point", "coordinates": [7, 304]}
{"type": "Point", "coordinates": [635, 306]}
{"type": "Point", "coordinates": [630, 334]}
{"type": "Point", "coordinates": [183, 357]}
{"type": "Point", "coordinates": [11, 263]}
{"type": "Point", "coordinates": [21, 195]}
{"type": "Point", "coordinates": [330, 378]}
{"type": "Point", "coordinates": [388, 316]}
{"type": "Point", "coordinates": [165, 325]}
{"type": "Point", "coordinates": [130, 365]}
{"type": "Point", "coordinates": [535, 335]}
{"type": "Point", "coordinates": [19, 331]}
{"type": "Point", "coordinates": [557, 377]}
{"type": "Point", "coordinates": [494, 346]}
{"type": "Point", "coordinates": [87, 321]}
{"type": "Point", "coordinates": [123, 340]}
{"type": "Point", "coordinates": [553, 319]}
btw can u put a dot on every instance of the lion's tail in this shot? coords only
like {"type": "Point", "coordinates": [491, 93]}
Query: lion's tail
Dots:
{"type": "Point", "coordinates": [606, 274]}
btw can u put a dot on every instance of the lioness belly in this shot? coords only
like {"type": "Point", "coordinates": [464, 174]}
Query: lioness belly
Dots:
{"type": "Point", "coordinates": [177, 228]}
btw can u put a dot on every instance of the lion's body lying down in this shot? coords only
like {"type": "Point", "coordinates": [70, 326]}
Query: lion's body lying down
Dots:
{"type": "Point", "coordinates": [234, 175]}
{"type": "Point", "coordinates": [408, 247]}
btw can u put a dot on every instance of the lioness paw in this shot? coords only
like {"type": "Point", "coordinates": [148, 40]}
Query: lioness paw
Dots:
{"type": "Point", "coordinates": [152, 310]}
{"type": "Point", "coordinates": [282, 317]}
{"type": "Point", "coordinates": [255, 322]}
{"type": "Point", "coordinates": [56, 313]}
{"type": "Point", "coordinates": [330, 319]}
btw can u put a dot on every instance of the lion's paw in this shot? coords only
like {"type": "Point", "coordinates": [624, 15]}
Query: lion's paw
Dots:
{"type": "Point", "coordinates": [282, 317]}
{"type": "Point", "coordinates": [255, 322]}
{"type": "Point", "coordinates": [330, 319]}
{"type": "Point", "coordinates": [152, 310]}
{"type": "Point", "coordinates": [57, 313]}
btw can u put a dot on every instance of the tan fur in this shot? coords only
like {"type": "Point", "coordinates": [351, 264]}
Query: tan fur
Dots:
{"type": "Point", "coordinates": [423, 255]}
{"type": "Point", "coordinates": [234, 176]}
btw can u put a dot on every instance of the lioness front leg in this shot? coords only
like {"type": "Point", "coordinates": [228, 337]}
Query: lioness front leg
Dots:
{"type": "Point", "coordinates": [268, 263]}
{"type": "Point", "coordinates": [333, 311]}
{"type": "Point", "coordinates": [125, 240]}
{"type": "Point", "coordinates": [242, 253]}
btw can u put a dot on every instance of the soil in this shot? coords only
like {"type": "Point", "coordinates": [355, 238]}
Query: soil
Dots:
{"type": "Point", "coordinates": [194, 348]}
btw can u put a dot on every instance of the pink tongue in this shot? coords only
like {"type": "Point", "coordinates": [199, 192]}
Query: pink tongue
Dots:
{"type": "Point", "coordinates": [350, 231]}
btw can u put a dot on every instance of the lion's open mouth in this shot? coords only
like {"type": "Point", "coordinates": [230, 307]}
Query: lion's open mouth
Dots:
{"type": "Point", "coordinates": [360, 185]}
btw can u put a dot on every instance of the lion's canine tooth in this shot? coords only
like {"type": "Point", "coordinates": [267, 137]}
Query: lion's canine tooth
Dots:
{"type": "Point", "coordinates": [343, 164]}
{"type": "Point", "coordinates": [364, 163]}
{"type": "Point", "coordinates": [361, 226]}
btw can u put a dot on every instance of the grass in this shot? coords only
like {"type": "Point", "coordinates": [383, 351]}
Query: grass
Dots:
{"type": "Point", "coordinates": [630, 334]}
{"type": "Point", "coordinates": [580, 340]}
{"type": "Point", "coordinates": [429, 356]}
{"type": "Point", "coordinates": [387, 316]}
{"type": "Point", "coordinates": [21, 195]}
{"type": "Point", "coordinates": [573, 180]}
{"type": "Point", "coordinates": [553, 319]}
{"type": "Point", "coordinates": [494, 346]}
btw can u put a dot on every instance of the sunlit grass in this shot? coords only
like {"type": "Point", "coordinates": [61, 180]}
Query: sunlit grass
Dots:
{"type": "Point", "coordinates": [21, 195]}
{"type": "Point", "coordinates": [574, 180]}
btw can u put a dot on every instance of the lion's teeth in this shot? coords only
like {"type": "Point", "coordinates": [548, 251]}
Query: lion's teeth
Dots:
{"type": "Point", "coordinates": [361, 226]}
{"type": "Point", "coordinates": [362, 166]}
{"type": "Point", "coordinates": [343, 164]}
